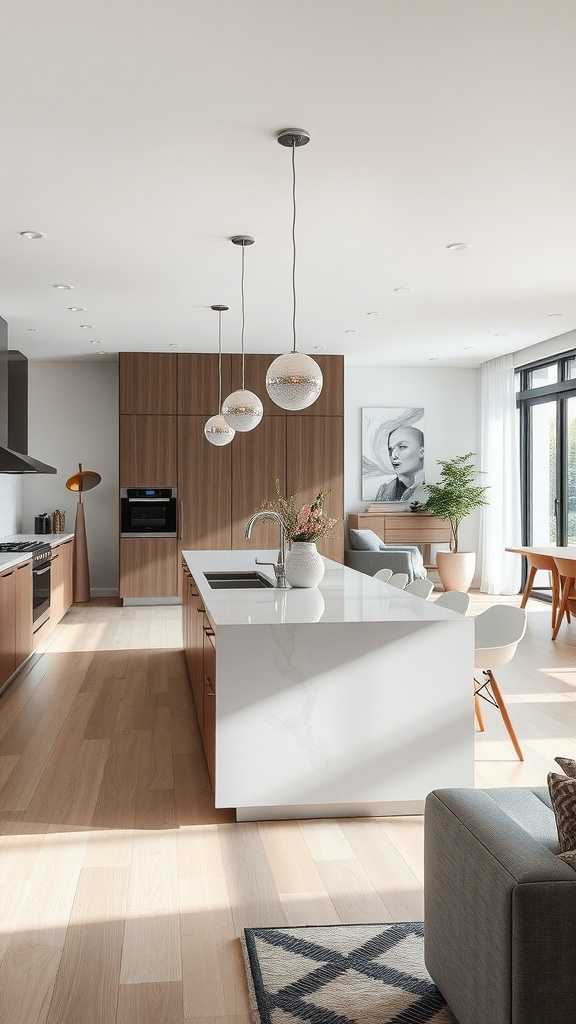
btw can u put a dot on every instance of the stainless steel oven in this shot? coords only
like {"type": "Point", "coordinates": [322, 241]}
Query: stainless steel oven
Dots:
{"type": "Point", "coordinates": [148, 512]}
{"type": "Point", "coordinates": [41, 557]}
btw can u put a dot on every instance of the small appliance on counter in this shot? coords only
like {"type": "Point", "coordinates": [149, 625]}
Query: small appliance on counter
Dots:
{"type": "Point", "coordinates": [43, 523]}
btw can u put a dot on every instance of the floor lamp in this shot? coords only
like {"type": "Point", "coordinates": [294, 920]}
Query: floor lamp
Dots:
{"type": "Point", "coordinates": [83, 480]}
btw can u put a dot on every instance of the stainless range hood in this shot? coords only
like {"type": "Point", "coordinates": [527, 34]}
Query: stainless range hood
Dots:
{"type": "Point", "coordinates": [14, 456]}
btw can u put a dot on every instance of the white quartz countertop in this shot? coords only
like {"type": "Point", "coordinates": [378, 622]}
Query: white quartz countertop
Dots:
{"type": "Point", "coordinates": [8, 559]}
{"type": "Point", "coordinates": [344, 595]}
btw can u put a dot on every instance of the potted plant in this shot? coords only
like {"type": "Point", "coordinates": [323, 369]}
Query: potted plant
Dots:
{"type": "Point", "coordinates": [456, 494]}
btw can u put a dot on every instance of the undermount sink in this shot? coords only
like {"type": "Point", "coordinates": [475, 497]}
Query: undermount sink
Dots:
{"type": "Point", "coordinates": [247, 580]}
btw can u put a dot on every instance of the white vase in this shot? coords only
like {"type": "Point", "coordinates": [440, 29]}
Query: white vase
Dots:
{"type": "Point", "coordinates": [304, 566]}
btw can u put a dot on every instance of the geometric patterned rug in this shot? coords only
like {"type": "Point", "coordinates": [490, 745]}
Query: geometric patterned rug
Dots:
{"type": "Point", "coordinates": [342, 974]}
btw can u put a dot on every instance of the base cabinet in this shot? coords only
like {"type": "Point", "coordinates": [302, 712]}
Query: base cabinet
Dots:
{"type": "Point", "coordinates": [209, 718]}
{"type": "Point", "coordinates": [200, 650]}
{"type": "Point", "coordinates": [15, 618]}
{"type": "Point", "coordinates": [148, 567]}
{"type": "Point", "coordinates": [61, 580]}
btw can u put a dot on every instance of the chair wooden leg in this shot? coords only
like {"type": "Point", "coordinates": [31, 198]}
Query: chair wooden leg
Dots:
{"type": "Point", "coordinates": [566, 587]}
{"type": "Point", "coordinates": [478, 713]}
{"type": "Point", "coordinates": [555, 581]}
{"type": "Point", "coordinates": [505, 715]}
{"type": "Point", "coordinates": [528, 586]}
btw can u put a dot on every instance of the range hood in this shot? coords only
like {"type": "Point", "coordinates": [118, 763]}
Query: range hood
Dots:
{"type": "Point", "coordinates": [14, 456]}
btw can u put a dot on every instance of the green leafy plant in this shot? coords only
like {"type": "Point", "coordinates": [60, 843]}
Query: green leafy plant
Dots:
{"type": "Point", "coordinates": [457, 492]}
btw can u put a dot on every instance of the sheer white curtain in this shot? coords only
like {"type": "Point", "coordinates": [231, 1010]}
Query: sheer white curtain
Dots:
{"type": "Point", "coordinates": [500, 459]}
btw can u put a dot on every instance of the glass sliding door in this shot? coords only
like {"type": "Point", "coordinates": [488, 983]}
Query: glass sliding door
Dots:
{"type": "Point", "coordinates": [543, 474]}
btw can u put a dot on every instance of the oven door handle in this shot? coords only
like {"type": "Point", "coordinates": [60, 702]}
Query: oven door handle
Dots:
{"type": "Point", "coordinates": [40, 572]}
{"type": "Point", "coordinates": [150, 501]}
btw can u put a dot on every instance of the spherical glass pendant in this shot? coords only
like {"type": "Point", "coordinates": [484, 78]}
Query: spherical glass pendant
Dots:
{"type": "Point", "coordinates": [294, 381]}
{"type": "Point", "coordinates": [242, 410]}
{"type": "Point", "coordinates": [218, 432]}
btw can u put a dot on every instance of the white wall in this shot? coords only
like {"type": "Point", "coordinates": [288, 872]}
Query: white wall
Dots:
{"type": "Point", "coordinates": [73, 418]}
{"type": "Point", "coordinates": [10, 504]}
{"type": "Point", "coordinates": [449, 398]}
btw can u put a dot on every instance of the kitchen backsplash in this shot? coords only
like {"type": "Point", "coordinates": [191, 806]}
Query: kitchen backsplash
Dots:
{"type": "Point", "coordinates": [10, 504]}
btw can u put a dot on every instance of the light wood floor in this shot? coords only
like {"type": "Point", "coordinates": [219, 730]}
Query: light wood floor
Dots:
{"type": "Point", "coordinates": [122, 890]}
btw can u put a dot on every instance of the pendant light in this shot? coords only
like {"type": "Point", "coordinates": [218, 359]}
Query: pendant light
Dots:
{"type": "Point", "coordinates": [294, 380]}
{"type": "Point", "coordinates": [216, 430]}
{"type": "Point", "coordinates": [242, 409]}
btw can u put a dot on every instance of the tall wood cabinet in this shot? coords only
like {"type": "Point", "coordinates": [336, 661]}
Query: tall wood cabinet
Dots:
{"type": "Point", "coordinates": [165, 401]}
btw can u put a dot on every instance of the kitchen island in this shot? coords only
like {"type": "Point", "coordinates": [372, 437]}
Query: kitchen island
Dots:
{"type": "Point", "coordinates": [353, 698]}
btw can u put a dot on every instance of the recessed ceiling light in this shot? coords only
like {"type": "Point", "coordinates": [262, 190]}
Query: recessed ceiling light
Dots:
{"type": "Point", "coordinates": [403, 289]}
{"type": "Point", "coordinates": [63, 287]}
{"type": "Point", "coordinates": [374, 313]}
{"type": "Point", "coordinates": [87, 327]}
{"type": "Point", "coordinates": [458, 246]}
{"type": "Point", "coordinates": [77, 309]}
{"type": "Point", "coordinates": [434, 359]}
{"type": "Point", "coordinates": [500, 334]}
{"type": "Point", "coordinates": [319, 348]}
{"type": "Point", "coordinates": [33, 329]}
{"type": "Point", "coordinates": [555, 314]}
{"type": "Point", "coordinates": [32, 234]}
{"type": "Point", "coordinates": [350, 332]}
{"type": "Point", "coordinates": [174, 344]}
{"type": "Point", "coordinates": [101, 353]}
{"type": "Point", "coordinates": [94, 342]}
{"type": "Point", "coordinates": [469, 348]}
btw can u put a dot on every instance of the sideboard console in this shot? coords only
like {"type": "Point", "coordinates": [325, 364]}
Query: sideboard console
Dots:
{"type": "Point", "coordinates": [404, 528]}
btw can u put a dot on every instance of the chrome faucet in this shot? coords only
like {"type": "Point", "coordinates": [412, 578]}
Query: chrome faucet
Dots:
{"type": "Point", "coordinates": [280, 565]}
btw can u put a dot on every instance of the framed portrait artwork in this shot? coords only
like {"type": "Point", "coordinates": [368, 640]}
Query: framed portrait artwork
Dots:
{"type": "Point", "coordinates": [393, 455]}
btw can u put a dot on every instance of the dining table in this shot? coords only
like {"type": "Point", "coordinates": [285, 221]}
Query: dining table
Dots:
{"type": "Point", "coordinates": [554, 559]}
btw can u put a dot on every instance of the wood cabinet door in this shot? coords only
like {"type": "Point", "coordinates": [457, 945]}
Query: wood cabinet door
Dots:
{"type": "Point", "coordinates": [148, 382]}
{"type": "Point", "coordinates": [198, 383]}
{"type": "Point", "coordinates": [23, 612]}
{"type": "Point", "coordinates": [56, 586]}
{"type": "Point", "coordinates": [7, 624]}
{"type": "Point", "coordinates": [148, 567]}
{"type": "Point", "coordinates": [258, 460]}
{"type": "Point", "coordinates": [315, 462]}
{"type": "Point", "coordinates": [209, 726]}
{"type": "Point", "coordinates": [331, 399]}
{"type": "Point", "coordinates": [67, 556]}
{"type": "Point", "coordinates": [148, 452]}
{"type": "Point", "coordinates": [204, 488]}
{"type": "Point", "coordinates": [196, 660]}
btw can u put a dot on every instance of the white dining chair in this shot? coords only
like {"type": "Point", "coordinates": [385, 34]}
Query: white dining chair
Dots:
{"type": "Point", "coordinates": [399, 580]}
{"type": "Point", "coordinates": [383, 575]}
{"type": "Point", "coordinates": [420, 588]}
{"type": "Point", "coordinates": [497, 633]}
{"type": "Point", "coordinates": [455, 600]}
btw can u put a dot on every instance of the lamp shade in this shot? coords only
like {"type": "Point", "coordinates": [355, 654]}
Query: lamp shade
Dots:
{"type": "Point", "coordinates": [218, 432]}
{"type": "Point", "coordinates": [242, 410]}
{"type": "Point", "coordinates": [294, 381]}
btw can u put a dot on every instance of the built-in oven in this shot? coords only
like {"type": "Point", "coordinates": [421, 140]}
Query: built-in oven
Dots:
{"type": "Point", "coordinates": [41, 554]}
{"type": "Point", "coordinates": [148, 512]}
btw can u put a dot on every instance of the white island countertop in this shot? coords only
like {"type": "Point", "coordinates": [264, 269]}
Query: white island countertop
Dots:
{"type": "Point", "coordinates": [352, 698]}
{"type": "Point", "coordinates": [344, 595]}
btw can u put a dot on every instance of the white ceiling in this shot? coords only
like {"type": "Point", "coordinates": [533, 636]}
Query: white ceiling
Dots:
{"type": "Point", "coordinates": [139, 135]}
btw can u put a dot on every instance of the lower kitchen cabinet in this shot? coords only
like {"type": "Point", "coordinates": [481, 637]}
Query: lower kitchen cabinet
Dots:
{"type": "Point", "coordinates": [61, 580]}
{"type": "Point", "coordinates": [199, 645]}
{"type": "Point", "coordinates": [15, 618]}
{"type": "Point", "coordinates": [209, 726]}
{"type": "Point", "coordinates": [148, 567]}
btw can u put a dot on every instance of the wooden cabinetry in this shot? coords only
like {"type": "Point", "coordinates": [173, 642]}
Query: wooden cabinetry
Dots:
{"type": "Point", "coordinates": [209, 717]}
{"type": "Point", "coordinates": [148, 383]}
{"type": "Point", "coordinates": [404, 528]}
{"type": "Point", "coordinates": [61, 580]}
{"type": "Point", "coordinates": [199, 645]}
{"type": "Point", "coordinates": [148, 567]}
{"type": "Point", "coordinates": [15, 618]}
{"type": "Point", "coordinates": [148, 451]}
{"type": "Point", "coordinates": [220, 488]}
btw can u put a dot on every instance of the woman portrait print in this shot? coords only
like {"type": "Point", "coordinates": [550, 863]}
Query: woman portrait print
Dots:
{"type": "Point", "coordinates": [393, 455]}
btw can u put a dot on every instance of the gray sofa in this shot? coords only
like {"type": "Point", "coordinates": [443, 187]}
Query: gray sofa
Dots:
{"type": "Point", "coordinates": [499, 907]}
{"type": "Point", "coordinates": [402, 558]}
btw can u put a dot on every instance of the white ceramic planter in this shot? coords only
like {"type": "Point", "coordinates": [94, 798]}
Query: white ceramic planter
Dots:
{"type": "Point", "coordinates": [456, 569]}
{"type": "Point", "coordinates": [304, 565]}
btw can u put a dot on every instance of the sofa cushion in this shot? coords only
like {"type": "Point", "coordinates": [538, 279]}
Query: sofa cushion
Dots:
{"type": "Point", "coordinates": [563, 795]}
{"type": "Point", "coordinates": [567, 765]}
{"type": "Point", "coordinates": [366, 540]}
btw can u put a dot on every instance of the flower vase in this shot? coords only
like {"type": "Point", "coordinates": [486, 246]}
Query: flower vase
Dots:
{"type": "Point", "coordinates": [304, 565]}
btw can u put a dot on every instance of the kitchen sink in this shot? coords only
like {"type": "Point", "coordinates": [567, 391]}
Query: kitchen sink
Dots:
{"type": "Point", "coordinates": [238, 580]}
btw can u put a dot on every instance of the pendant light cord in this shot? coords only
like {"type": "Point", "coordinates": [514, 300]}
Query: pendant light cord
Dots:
{"type": "Point", "coordinates": [219, 361]}
{"type": "Point", "coordinates": [242, 294]}
{"type": "Point", "coordinates": [294, 246]}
